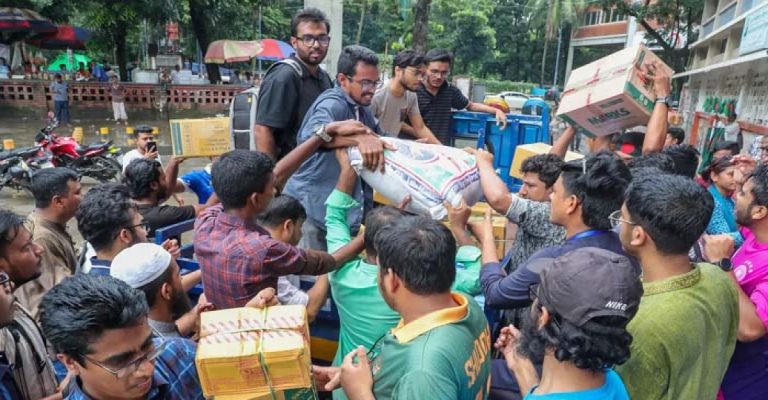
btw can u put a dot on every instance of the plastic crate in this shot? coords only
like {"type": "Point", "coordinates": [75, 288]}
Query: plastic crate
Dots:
{"type": "Point", "coordinates": [482, 129]}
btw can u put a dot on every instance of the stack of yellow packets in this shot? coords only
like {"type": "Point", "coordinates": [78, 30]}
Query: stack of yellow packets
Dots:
{"type": "Point", "coordinates": [249, 353]}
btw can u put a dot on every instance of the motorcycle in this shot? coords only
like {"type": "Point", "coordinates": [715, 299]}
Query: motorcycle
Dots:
{"type": "Point", "coordinates": [17, 167]}
{"type": "Point", "coordinates": [100, 161]}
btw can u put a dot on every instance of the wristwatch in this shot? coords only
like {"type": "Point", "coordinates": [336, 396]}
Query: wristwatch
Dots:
{"type": "Point", "coordinates": [725, 264]}
{"type": "Point", "coordinates": [322, 134]}
{"type": "Point", "coordinates": [666, 100]}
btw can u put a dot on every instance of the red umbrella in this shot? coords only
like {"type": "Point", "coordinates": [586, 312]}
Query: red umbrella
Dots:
{"type": "Point", "coordinates": [65, 37]}
{"type": "Point", "coordinates": [16, 23]}
{"type": "Point", "coordinates": [274, 50]}
{"type": "Point", "coordinates": [227, 51]}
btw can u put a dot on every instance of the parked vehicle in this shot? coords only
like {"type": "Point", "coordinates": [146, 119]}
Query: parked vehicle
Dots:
{"type": "Point", "coordinates": [514, 100]}
{"type": "Point", "coordinates": [100, 161]}
{"type": "Point", "coordinates": [17, 167]}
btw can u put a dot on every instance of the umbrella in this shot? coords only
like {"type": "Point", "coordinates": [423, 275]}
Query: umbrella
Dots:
{"type": "Point", "coordinates": [65, 37]}
{"type": "Point", "coordinates": [226, 51]}
{"type": "Point", "coordinates": [64, 59]}
{"type": "Point", "coordinates": [17, 23]}
{"type": "Point", "coordinates": [274, 50]}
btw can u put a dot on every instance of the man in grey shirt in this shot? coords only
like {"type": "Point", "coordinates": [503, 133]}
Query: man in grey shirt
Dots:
{"type": "Point", "coordinates": [60, 94]}
{"type": "Point", "coordinates": [395, 102]}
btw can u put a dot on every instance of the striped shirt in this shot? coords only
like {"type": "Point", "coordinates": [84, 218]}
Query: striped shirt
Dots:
{"type": "Point", "coordinates": [436, 109]}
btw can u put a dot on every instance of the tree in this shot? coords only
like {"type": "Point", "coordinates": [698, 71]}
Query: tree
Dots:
{"type": "Point", "coordinates": [669, 24]}
{"type": "Point", "coordinates": [421, 25]}
{"type": "Point", "coordinates": [557, 12]}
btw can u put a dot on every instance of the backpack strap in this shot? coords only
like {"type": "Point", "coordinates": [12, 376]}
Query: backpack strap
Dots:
{"type": "Point", "coordinates": [287, 61]}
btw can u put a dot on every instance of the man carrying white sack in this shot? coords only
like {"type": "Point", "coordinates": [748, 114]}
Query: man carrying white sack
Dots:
{"type": "Point", "coordinates": [357, 81]}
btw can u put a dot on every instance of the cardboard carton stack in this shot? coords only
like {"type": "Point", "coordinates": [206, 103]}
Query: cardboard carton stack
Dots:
{"type": "Point", "coordinates": [248, 353]}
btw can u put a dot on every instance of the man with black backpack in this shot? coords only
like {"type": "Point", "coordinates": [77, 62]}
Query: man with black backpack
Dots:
{"type": "Point", "coordinates": [292, 85]}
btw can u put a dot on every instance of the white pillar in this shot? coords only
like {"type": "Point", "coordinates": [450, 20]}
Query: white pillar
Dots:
{"type": "Point", "coordinates": [334, 10]}
{"type": "Point", "coordinates": [568, 64]}
{"type": "Point", "coordinates": [631, 31]}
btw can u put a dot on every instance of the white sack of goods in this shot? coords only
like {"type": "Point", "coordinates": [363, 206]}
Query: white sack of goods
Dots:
{"type": "Point", "coordinates": [429, 173]}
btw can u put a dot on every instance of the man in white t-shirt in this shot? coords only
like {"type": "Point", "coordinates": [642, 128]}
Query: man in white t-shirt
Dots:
{"type": "Point", "coordinates": [397, 100]}
{"type": "Point", "coordinates": [146, 147]}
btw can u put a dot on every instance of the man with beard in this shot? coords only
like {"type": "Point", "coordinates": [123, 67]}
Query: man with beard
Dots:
{"type": "Point", "coordinates": [285, 94]}
{"type": "Point", "coordinates": [577, 328]}
{"type": "Point", "coordinates": [152, 270]}
{"type": "Point", "coordinates": [110, 222]}
{"type": "Point", "coordinates": [358, 79]}
{"type": "Point", "coordinates": [747, 375]}
{"type": "Point", "coordinates": [21, 341]}
{"type": "Point", "coordinates": [397, 101]}
{"type": "Point", "coordinates": [148, 187]}
{"type": "Point", "coordinates": [57, 195]}
{"type": "Point", "coordinates": [9, 390]}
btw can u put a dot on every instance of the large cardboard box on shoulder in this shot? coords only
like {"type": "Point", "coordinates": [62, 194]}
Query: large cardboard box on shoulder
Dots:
{"type": "Point", "coordinates": [607, 95]}
{"type": "Point", "coordinates": [249, 353]}
{"type": "Point", "coordinates": [524, 151]}
{"type": "Point", "coordinates": [203, 137]}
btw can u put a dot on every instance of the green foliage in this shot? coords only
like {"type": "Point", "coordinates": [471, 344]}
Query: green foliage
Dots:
{"type": "Point", "coordinates": [496, 86]}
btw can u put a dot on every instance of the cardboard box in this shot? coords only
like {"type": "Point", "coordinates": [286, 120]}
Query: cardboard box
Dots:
{"type": "Point", "coordinates": [247, 353]}
{"type": "Point", "coordinates": [607, 95]}
{"type": "Point", "coordinates": [523, 151]}
{"type": "Point", "coordinates": [204, 137]}
{"type": "Point", "coordinates": [478, 213]}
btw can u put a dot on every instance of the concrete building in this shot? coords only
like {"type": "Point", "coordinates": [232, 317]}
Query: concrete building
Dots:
{"type": "Point", "coordinates": [608, 29]}
{"type": "Point", "coordinates": [728, 63]}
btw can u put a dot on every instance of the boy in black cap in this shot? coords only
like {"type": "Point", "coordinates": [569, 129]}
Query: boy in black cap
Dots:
{"type": "Point", "coordinates": [577, 326]}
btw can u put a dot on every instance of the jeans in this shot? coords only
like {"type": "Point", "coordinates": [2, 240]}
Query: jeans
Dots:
{"type": "Point", "coordinates": [62, 110]}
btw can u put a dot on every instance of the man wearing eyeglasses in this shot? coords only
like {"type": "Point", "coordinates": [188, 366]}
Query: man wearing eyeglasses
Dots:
{"type": "Point", "coordinates": [437, 97]}
{"type": "Point", "coordinates": [284, 96]}
{"type": "Point", "coordinates": [105, 341]}
{"type": "Point", "coordinates": [358, 79]}
{"type": "Point", "coordinates": [397, 101]}
{"type": "Point", "coordinates": [22, 342]}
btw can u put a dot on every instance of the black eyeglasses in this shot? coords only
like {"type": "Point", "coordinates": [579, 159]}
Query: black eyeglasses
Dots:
{"type": "Point", "coordinates": [366, 84]}
{"type": "Point", "coordinates": [533, 291]}
{"type": "Point", "coordinates": [309, 40]}
{"type": "Point", "coordinates": [374, 350]}
{"type": "Point", "coordinates": [142, 224]}
{"type": "Point", "coordinates": [134, 365]}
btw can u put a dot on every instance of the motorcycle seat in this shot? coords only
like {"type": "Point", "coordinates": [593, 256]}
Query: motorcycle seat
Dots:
{"type": "Point", "coordinates": [24, 152]}
{"type": "Point", "coordinates": [94, 146]}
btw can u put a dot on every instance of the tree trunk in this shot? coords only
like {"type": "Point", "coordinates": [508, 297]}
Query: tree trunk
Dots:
{"type": "Point", "coordinates": [197, 10]}
{"type": "Point", "coordinates": [421, 25]}
{"type": "Point", "coordinates": [122, 61]}
{"type": "Point", "coordinates": [360, 24]}
{"type": "Point", "coordinates": [544, 59]}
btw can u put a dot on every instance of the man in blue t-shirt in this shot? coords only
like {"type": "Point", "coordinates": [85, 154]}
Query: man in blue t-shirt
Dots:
{"type": "Point", "coordinates": [582, 199]}
{"type": "Point", "coordinates": [580, 312]}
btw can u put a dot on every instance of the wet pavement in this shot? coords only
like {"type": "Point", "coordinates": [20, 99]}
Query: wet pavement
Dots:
{"type": "Point", "coordinates": [23, 129]}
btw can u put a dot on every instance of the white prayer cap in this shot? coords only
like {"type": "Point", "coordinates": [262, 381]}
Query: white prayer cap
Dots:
{"type": "Point", "coordinates": [140, 264]}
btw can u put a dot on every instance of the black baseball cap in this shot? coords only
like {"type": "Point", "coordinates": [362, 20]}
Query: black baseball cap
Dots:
{"type": "Point", "coordinates": [591, 282]}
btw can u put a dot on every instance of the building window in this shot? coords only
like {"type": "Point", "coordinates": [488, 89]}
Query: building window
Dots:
{"type": "Point", "coordinates": [723, 43]}
{"type": "Point", "coordinates": [617, 16]}
{"type": "Point", "coordinates": [592, 18]}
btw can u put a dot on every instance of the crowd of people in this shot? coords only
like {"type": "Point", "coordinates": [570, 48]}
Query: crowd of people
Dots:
{"type": "Point", "coordinates": [630, 274]}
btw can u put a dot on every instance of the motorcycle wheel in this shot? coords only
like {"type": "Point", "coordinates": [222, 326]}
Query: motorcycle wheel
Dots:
{"type": "Point", "coordinates": [105, 170]}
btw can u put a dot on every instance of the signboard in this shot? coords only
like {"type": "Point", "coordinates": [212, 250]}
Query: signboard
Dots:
{"type": "Point", "coordinates": [754, 37]}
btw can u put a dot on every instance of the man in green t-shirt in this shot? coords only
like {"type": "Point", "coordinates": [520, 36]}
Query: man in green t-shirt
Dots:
{"type": "Point", "coordinates": [441, 346]}
{"type": "Point", "coordinates": [685, 331]}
